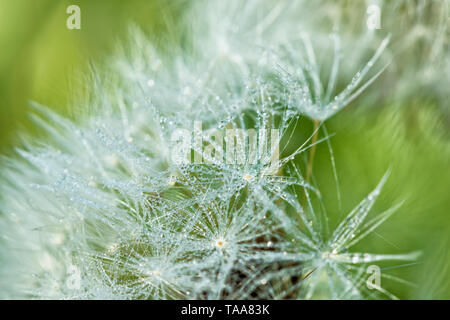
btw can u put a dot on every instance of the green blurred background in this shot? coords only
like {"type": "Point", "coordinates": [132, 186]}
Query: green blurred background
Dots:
{"type": "Point", "coordinates": [41, 60]}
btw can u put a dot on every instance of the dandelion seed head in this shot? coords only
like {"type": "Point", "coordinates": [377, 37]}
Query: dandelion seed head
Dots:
{"type": "Point", "coordinates": [107, 196]}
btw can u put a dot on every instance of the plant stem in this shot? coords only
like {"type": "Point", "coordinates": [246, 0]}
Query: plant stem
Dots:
{"type": "Point", "coordinates": [312, 153]}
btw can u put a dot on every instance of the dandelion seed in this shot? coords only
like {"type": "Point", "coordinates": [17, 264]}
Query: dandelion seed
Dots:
{"type": "Point", "coordinates": [220, 243]}
{"type": "Point", "coordinates": [187, 91]}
